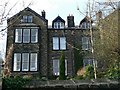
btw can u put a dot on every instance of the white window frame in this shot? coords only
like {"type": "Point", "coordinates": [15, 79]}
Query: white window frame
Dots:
{"type": "Point", "coordinates": [58, 67]}
{"type": "Point", "coordinates": [33, 62]}
{"type": "Point", "coordinates": [18, 35]}
{"type": "Point", "coordinates": [59, 43]}
{"type": "Point", "coordinates": [85, 43]}
{"type": "Point", "coordinates": [85, 25]}
{"type": "Point", "coordinates": [62, 43]}
{"type": "Point", "coordinates": [55, 43]}
{"type": "Point", "coordinates": [59, 25]}
{"type": "Point", "coordinates": [23, 63]}
{"type": "Point", "coordinates": [17, 62]}
{"type": "Point", "coordinates": [27, 19]}
{"type": "Point", "coordinates": [34, 36]}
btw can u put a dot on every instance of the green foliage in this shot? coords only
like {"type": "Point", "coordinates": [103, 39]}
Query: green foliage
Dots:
{"type": "Point", "coordinates": [78, 58]}
{"type": "Point", "coordinates": [113, 72]}
{"type": "Point", "coordinates": [62, 67]}
{"type": "Point", "coordinates": [89, 72]}
{"type": "Point", "coordinates": [14, 83]}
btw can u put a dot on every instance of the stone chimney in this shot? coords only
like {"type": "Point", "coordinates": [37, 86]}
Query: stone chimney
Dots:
{"type": "Point", "coordinates": [43, 14]}
{"type": "Point", "coordinates": [70, 21]}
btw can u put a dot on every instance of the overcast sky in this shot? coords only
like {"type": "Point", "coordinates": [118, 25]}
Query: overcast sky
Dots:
{"type": "Point", "coordinates": [53, 8]}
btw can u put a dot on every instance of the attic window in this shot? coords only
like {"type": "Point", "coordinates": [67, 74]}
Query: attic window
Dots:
{"type": "Point", "coordinates": [58, 25]}
{"type": "Point", "coordinates": [27, 19]}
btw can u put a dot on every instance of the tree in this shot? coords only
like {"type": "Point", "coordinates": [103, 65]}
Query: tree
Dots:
{"type": "Point", "coordinates": [62, 66]}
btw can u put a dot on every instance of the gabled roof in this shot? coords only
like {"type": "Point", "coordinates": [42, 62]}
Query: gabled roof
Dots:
{"type": "Point", "coordinates": [58, 19]}
{"type": "Point", "coordinates": [86, 19]}
{"type": "Point", "coordinates": [32, 11]}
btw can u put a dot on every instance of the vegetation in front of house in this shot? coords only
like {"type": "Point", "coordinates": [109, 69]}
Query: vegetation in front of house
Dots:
{"type": "Point", "coordinates": [14, 83]}
{"type": "Point", "coordinates": [78, 58]}
{"type": "Point", "coordinates": [62, 67]}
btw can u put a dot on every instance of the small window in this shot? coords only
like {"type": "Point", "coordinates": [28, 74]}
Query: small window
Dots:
{"type": "Point", "coordinates": [34, 35]}
{"type": "Point", "coordinates": [55, 43]}
{"type": "Point", "coordinates": [56, 67]}
{"type": "Point", "coordinates": [62, 43]}
{"type": "Point", "coordinates": [85, 43]}
{"type": "Point", "coordinates": [85, 25]}
{"type": "Point", "coordinates": [33, 62]}
{"type": "Point", "coordinates": [26, 35]}
{"type": "Point", "coordinates": [18, 35]}
{"type": "Point", "coordinates": [25, 61]}
{"type": "Point", "coordinates": [27, 19]}
{"type": "Point", "coordinates": [87, 61]}
{"type": "Point", "coordinates": [58, 25]}
{"type": "Point", "coordinates": [17, 62]}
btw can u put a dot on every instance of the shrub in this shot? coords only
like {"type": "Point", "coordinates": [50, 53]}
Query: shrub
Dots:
{"type": "Point", "coordinates": [89, 72]}
{"type": "Point", "coordinates": [14, 83]}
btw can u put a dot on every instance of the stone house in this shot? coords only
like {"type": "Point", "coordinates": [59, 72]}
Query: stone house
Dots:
{"type": "Point", "coordinates": [35, 48]}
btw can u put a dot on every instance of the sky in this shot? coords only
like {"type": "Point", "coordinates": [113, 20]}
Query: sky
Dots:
{"type": "Point", "coordinates": [53, 8]}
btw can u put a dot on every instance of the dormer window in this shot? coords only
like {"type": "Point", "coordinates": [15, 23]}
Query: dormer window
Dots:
{"type": "Point", "coordinates": [27, 19]}
{"type": "Point", "coordinates": [58, 25]}
{"type": "Point", "coordinates": [85, 25]}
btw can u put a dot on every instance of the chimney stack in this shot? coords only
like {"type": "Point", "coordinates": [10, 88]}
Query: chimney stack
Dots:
{"type": "Point", "coordinates": [98, 15]}
{"type": "Point", "coordinates": [70, 21]}
{"type": "Point", "coordinates": [43, 14]}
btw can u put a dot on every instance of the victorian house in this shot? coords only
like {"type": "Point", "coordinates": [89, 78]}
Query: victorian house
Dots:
{"type": "Point", "coordinates": [37, 48]}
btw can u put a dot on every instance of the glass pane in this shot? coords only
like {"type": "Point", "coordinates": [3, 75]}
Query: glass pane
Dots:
{"type": "Point", "coordinates": [34, 35]}
{"type": "Point", "coordinates": [55, 67]}
{"type": "Point", "coordinates": [29, 19]}
{"type": "Point", "coordinates": [87, 62]}
{"type": "Point", "coordinates": [55, 43]}
{"type": "Point", "coordinates": [58, 25]}
{"type": "Point", "coordinates": [85, 43]}
{"type": "Point", "coordinates": [25, 61]}
{"type": "Point", "coordinates": [55, 25]}
{"type": "Point", "coordinates": [62, 43]}
{"type": "Point", "coordinates": [33, 62]}
{"type": "Point", "coordinates": [18, 35]}
{"type": "Point", "coordinates": [24, 18]}
{"type": "Point", "coordinates": [26, 35]}
{"type": "Point", "coordinates": [17, 62]}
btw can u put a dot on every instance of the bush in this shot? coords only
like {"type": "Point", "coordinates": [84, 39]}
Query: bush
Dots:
{"type": "Point", "coordinates": [89, 72]}
{"type": "Point", "coordinates": [113, 72]}
{"type": "Point", "coordinates": [14, 83]}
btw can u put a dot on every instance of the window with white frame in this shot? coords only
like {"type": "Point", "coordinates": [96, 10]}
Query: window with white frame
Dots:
{"type": "Point", "coordinates": [85, 25]}
{"type": "Point", "coordinates": [85, 43]}
{"type": "Point", "coordinates": [17, 62]}
{"type": "Point", "coordinates": [27, 19]}
{"type": "Point", "coordinates": [26, 35]}
{"type": "Point", "coordinates": [25, 62]}
{"type": "Point", "coordinates": [87, 61]}
{"type": "Point", "coordinates": [18, 35]}
{"type": "Point", "coordinates": [59, 25]}
{"type": "Point", "coordinates": [56, 67]}
{"type": "Point", "coordinates": [59, 43]}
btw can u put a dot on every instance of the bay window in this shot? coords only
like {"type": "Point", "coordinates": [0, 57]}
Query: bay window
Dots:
{"type": "Point", "coordinates": [26, 35]}
{"type": "Point", "coordinates": [25, 62]}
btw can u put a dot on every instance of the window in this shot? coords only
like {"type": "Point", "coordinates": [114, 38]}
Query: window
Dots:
{"type": "Point", "coordinates": [85, 43]}
{"type": "Point", "coordinates": [34, 35]}
{"type": "Point", "coordinates": [17, 62]}
{"type": "Point", "coordinates": [56, 67]}
{"type": "Point", "coordinates": [85, 25]}
{"type": "Point", "coordinates": [27, 19]}
{"type": "Point", "coordinates": [59, 43]}
{"type": "Point", "coordinates": [26, 35]}
{"type": "Point", "coordinates": [58, 25]}
{"type": "Point", "coordinates": [25, 62]}
{"type": "Point", "coordinates": [87, 61]}
{"type": "Point", "coordinates": [18, 35]}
